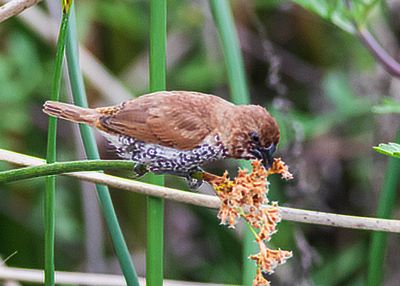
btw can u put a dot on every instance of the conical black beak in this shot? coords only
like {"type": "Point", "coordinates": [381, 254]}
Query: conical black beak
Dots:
{"type": "Point", "coordinates": [265, 155]}
{"type": "Point", "coordinates": [268, 158]}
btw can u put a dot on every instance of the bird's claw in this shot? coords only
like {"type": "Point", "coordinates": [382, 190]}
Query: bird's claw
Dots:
{"type": "Point", "coordinates": [194, 179]}
{"type": "Point", "coordinates": [193, 184]}
{"type": "Point", "coordinates": [140, 170]}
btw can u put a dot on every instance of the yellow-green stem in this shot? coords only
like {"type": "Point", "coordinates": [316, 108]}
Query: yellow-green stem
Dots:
{"type": "Point", "coordinates": [63, 167]}
{"type": "Point", "coordinates": [155, 206]}
{"type": "Point", "coordinates": [50, 193]}
{"type": "Point", "coordinates": [89, 142]}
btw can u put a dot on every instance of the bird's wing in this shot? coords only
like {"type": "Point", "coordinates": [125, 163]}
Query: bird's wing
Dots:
{"type": "Point", "coordinates": [174, 120]}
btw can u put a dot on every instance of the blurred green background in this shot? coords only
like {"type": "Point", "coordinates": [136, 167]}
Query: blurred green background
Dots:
{"type": "Point", "coordinates": [311, 72]}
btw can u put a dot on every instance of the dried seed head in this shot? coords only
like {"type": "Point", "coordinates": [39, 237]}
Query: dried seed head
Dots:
{"type": "Point", "coordinates": [246, 196]}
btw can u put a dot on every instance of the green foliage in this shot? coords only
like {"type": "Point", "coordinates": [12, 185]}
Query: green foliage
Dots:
{"type": "Point", "coordinates": [122, 18]}
{"type": "Point", "coordinates": [198, 74]}
{"type": "Point", "coordinates": [340, 266]}
{"type": "Point", "coordinates": [390, 149]}
{"type": "Point", "coordinates": [388, 106]}
{"type": "Point", "coordinates": [338, 12]}
{"type": "Point", "coordinates": [346, 106]}
{"type": "Point", "coordinates": [21, 74]}
{"type": "Point", "coordinates": [386, 205]}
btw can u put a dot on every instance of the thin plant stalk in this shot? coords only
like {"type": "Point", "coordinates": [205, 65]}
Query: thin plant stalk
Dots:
{"type": "Point", "coordinates": [62, 168]}
{"type": "Point", "coordinates": [289, 214]}
{"type": "Point", "coordinates": [386, 205]}
{"type": "Point", "coordinates": [223, 18]}
{"type": "Point", "coordinates": [50, 186]}
{"type": "Point", "coordinates": [155, 206]}
{"type": "Point", "coordinates": [225, 24]}
{"type": "Point", "coordinates": [79, 95]}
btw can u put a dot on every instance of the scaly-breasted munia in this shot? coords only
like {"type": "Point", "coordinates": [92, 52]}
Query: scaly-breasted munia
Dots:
{"type": "Point", "coordinates": [174, 132]}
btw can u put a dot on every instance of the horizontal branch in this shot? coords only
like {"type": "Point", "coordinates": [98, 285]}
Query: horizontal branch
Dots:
{"type": "Point", "coordinates": [290, 214]}
{"type": "Point", "coordinates": [62, 168]}
{"type": "Point", "coordinates": [14, 7]}
{"type": "Point", "coordinates": [78, 278]}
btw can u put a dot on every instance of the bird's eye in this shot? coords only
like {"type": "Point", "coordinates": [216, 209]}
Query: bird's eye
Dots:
{"type": "Point", "coordinates": [254, 137]}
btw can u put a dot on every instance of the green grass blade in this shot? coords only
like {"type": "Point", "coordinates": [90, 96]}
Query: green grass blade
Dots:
{"type": "Point", "coordinates": [79, 94]}
{"type": "Point", "coordinates": [155, 206]}
{"type": "Point", "coordinates": [386, 204]}
{"type": "Point", "coordinates": [390, 149]}
{"type": "Point", "coordinates": [233, 59]}
{"type": "Point", "coordinates": [155, 244]}
{"type": "Point", "coordinates": [50, 195]}
{"type": "Point", "coordinates": [222, 15]}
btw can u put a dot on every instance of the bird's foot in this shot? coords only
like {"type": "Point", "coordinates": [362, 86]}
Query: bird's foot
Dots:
{"type": "Point", "coordinates": [193, 184]}
{"type": "Point", "coordinates": [195, 178]}
{"type": "Point", "coordinates": [140, 170]}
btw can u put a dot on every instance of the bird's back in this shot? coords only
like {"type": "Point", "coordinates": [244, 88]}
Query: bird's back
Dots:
{"type": "Point", "coordinates": [176, 119]}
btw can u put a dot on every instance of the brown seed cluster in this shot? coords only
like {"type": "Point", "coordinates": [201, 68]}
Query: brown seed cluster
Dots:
{"type": "Point", "coordinates": [246, 197]}
{"type": "Point", "coordinates": [279, 167]}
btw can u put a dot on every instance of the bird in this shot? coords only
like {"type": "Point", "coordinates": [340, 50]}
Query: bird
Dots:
{"type": "Point", "coordinates": [176, 132]}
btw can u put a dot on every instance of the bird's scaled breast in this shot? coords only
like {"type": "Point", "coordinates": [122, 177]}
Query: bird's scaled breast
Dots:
{"type": "Point", "coordinates": [161, 158]}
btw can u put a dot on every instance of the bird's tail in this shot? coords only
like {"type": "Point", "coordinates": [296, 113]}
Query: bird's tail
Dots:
{"type": "Point", "coordinates": [71, 112]}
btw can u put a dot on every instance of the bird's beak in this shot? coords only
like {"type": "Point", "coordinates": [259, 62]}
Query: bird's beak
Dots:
{"type": "Point", "coordinates": [268, 158]}
{"type": "Point", "coordinates": [265, 155]}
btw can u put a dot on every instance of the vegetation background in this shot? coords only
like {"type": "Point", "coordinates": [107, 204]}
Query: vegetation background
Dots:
{"type": "Point", "coordinates": [313, 73]}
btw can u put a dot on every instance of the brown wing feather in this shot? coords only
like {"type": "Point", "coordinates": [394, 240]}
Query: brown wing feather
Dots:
{"type": "Point", "coordinates": [174, 119]}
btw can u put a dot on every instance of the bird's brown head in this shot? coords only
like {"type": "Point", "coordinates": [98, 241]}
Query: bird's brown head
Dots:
{"type": "Point", "coordinates": [254, 134]}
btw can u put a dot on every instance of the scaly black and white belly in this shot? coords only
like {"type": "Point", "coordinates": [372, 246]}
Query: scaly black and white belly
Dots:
{"type": "Point", "coordinates": [161, 159]}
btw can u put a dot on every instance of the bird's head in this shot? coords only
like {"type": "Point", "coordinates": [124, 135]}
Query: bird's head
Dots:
{"type": "Point", "coordinates": [255, 134]}
{"type": "Point", "coordinates": [263, 152]}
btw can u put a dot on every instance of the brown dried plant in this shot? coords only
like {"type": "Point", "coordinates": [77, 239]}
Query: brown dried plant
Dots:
{"type": "Point", "coordinates": [246, 196]}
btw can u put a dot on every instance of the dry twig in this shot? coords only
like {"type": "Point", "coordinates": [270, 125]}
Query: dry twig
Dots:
{"type": "Point", "coordinates": [14, 7]}
{"type": "Point", "coordinates": [77, 278]}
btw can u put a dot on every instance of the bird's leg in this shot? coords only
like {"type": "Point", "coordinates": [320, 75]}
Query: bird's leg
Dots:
{"type": "Point", "coordinates": [140, 170]}
{"type": "Point", "coordinates": [168, 172]}
{"type": "Point", "coordinates": [193, 184]}
{"type": "Point", "coordinates": [194, 178]}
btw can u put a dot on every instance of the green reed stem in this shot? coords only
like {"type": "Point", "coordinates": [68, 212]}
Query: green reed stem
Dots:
{"type": "Point", "coordinates": [155, 206]}
{"type": "Point", "coordinates": [223, 18]}
{"type": "Point", "coordinates": [50, 194]}
{"type": "Point", "coordinates": [386, 203]}
{"type": "Point", "coordinates": [79, 95]}
{"type": "Point", "coordinates": [62, 168]}
{"type": "Point", "coordinates": [233, 58]}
